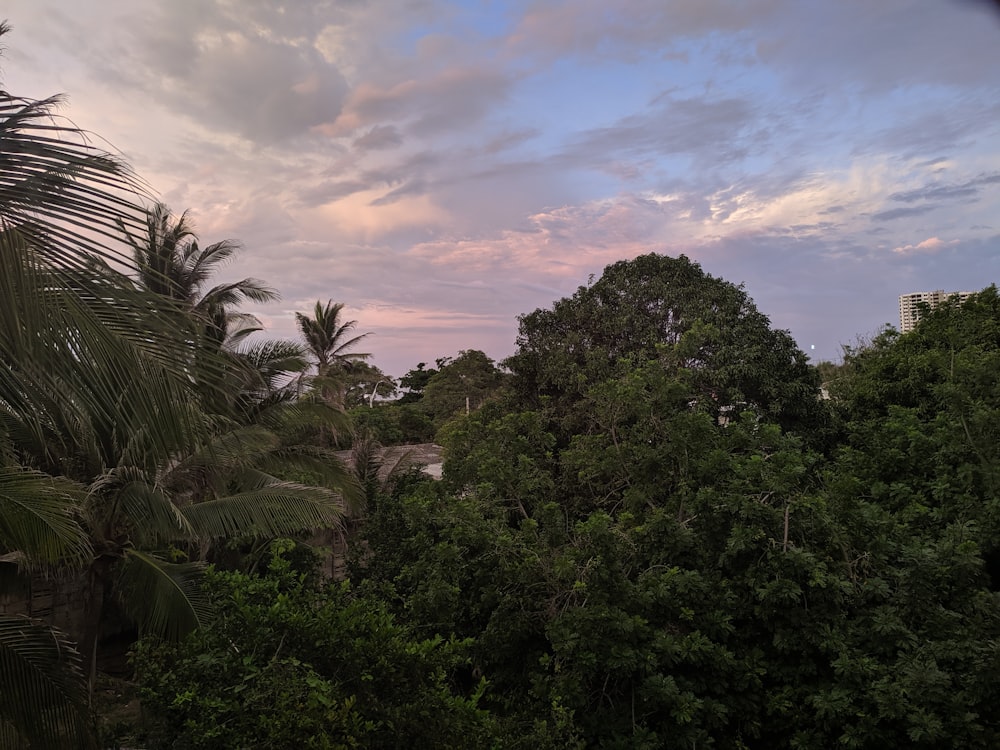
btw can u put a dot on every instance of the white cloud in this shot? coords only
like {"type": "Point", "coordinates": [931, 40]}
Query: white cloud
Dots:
{"type": "Point", "coordinates": [930, 245]}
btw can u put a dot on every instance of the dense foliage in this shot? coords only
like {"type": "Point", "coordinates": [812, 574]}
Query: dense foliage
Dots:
{"type": "Point", "coordinates": [628, 564]}
{"type": "Point", "coordinates": [640, 568]}
{"type": "Point", "coordinates": [289, 662]}
{"type": "Point", "coordinates": [657, 307]}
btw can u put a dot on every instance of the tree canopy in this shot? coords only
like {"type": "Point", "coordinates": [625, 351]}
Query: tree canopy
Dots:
{"type": "Point", "coordinates": [667, 309]}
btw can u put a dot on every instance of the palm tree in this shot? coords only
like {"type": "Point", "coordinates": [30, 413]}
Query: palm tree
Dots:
{"type": "Point", "coordinates": [328, 341]}
{"type": "Point", "coordinates": [171, 263]}
{"type": "Point", "coordinates": [60, 198]}
{"type": "Point", "coordinates": [107, 455]}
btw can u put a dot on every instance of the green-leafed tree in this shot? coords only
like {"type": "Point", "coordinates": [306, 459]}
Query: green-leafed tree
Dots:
{"type": "Point", "coordinates": [414, 381]}
{"type": "Point", "coordinates": [460, 385]}
{"type": "Point", "coordinates": [658, 307]}
{"type": "Point", "coordinates": [289, 662]}
{"type": "Point", "coordinates": [922, 412]}
{"type": "Point", "coordinates": [645, 559]}
{"type": "Point", "coordinates": [362, 381]}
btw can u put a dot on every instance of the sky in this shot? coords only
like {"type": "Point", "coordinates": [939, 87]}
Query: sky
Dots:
{"type": "Point", "coordinates": [442, 167]}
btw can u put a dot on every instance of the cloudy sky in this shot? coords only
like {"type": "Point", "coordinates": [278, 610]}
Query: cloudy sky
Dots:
{"type": "Point", "coordinates": [443, 166]}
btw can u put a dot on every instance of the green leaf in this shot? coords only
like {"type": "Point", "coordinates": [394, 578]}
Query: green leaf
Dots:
{"type": "Point", "coordinates": [43, 687]}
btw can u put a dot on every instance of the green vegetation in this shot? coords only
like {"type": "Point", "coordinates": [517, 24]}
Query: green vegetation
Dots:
{"type": "Point", "coordinates": [651, 530]}
{"type": "Point", "coordinates": [288, 661]}
{"type": "Point", "coordinates": [137, 435]}
{"type": "Point", "coordinates": [643, 558]}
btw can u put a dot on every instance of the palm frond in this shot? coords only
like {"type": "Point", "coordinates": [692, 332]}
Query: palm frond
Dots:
{"type": "Point", "coordinates": [237, 446]}
{"type": "Point", "coordinates": [283, 413]}
{"type": "Point", "coordinates": [37, 518]}
{"type": "Point", "coordinates": [200, 264]}
{"type": "Point", "coordinates": [232, 294]}
{"type": "Point", "coordinates": [275, 509]}
{"type": "Point", "coordinates": [163, 598]}
{"type": "Point", "coordinates": [323, 464]}
{"type": "Point", "coordinates": [148, 512]}
{"type": "Point", "coordinates": [64, 193]}
{"type": "Point", "coordinates": [81, 341]}
{"type": "Point", "coordinates": [43, 687]}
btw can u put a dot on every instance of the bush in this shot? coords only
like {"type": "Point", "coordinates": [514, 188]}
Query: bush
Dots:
{"type": "Point", "coordinates": [290, 663]}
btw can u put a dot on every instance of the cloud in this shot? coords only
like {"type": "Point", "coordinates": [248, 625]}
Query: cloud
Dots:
{"type": "Point", "coordinates": [446, 166]}
{"type": "Point", "coordinates": [450, 100]}
{"type": "Point", "coordinates": [250, 69]}
{"type": "Point", "coordinates": [695, 127]}
{"type": "Point", "coordinates": [628, 29]}
{"type": "Point", "coordinates": [379, 137]}
{"type": "Point", "coordinates": [879, 47]}
{"type": "Point", "coordinates": [902, 213]}
{"type": "Point", "coordinates": [930, 245]}
{"type": "Point", "coordinates": [937, 191]}
{"type": "Point", "coordinates": [368, 215]}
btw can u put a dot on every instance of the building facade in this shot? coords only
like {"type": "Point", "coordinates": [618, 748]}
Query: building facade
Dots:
{"type": "Point", "coordinates": [909, 305]}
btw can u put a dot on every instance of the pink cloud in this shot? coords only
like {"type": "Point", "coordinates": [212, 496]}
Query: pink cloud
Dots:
{"type": "Point", "coordinates": [930, 245]}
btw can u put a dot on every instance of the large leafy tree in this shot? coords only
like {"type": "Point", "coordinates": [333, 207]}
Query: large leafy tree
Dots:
{"type": "Point", "coordinates": [461, 384]}
{"type": "Point", "coordinates": [670, 310]}
{"type": "Point", "coordinates": [649, 557]}
{"type": "Point", "coordinates": [922, 416]}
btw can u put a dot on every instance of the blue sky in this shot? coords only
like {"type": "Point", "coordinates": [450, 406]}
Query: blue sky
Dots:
{"type": "Point", "coordinates": [442, 167]}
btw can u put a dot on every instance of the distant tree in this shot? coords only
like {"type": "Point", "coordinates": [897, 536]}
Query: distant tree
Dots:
{"type": "Point", "coordinates": [415, 381]}
{"type": "Point", "coordinates": [828, 371]}
{"type": "Point", "coordinates": [329, 341]}
{"type": "Point", "coordinates": [461, 384]}
{"type": "Point", "coordinates": [363, 379]}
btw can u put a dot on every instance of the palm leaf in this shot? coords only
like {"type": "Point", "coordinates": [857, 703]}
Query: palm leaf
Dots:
{"type": "Point", "coordinates": [146, 509]}
{"type": "Point", "coordinates": [75, 342]}
{"type": "Point", "coordinates": [43, 687]}
{"type": "Point", "coordinates": [163, 598]}
{"type": "Point", "coordinates": [280, 412]}
{"type": "Point", "coordinates": [275, 509]}
{"type": "Point", "coordinates": [321, 463]}
{"type": "Point", "coordinates": [66, 195]}
{"type": "Point", "coordinates": [208, 470]}
{"type": "Point", "coordinates": [37, 518]}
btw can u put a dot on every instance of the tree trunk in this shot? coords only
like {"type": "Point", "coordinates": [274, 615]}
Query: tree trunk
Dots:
{"type": "Point", "coordinates": [97, 585]}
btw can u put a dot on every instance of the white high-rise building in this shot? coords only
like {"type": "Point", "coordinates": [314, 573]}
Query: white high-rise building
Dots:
{"type": "Point", "coordinates": [909, 310]}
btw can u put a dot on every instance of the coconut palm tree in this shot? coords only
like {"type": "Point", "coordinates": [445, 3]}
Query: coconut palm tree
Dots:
{"type": "Point", "coordinates": [171, 263]}
{"type": "Point", "coordinates": [60, 198]}
{"type": "Point", "coordinates": [329, 341]}
{"type": "Point", "coordinates": [107, 455]}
